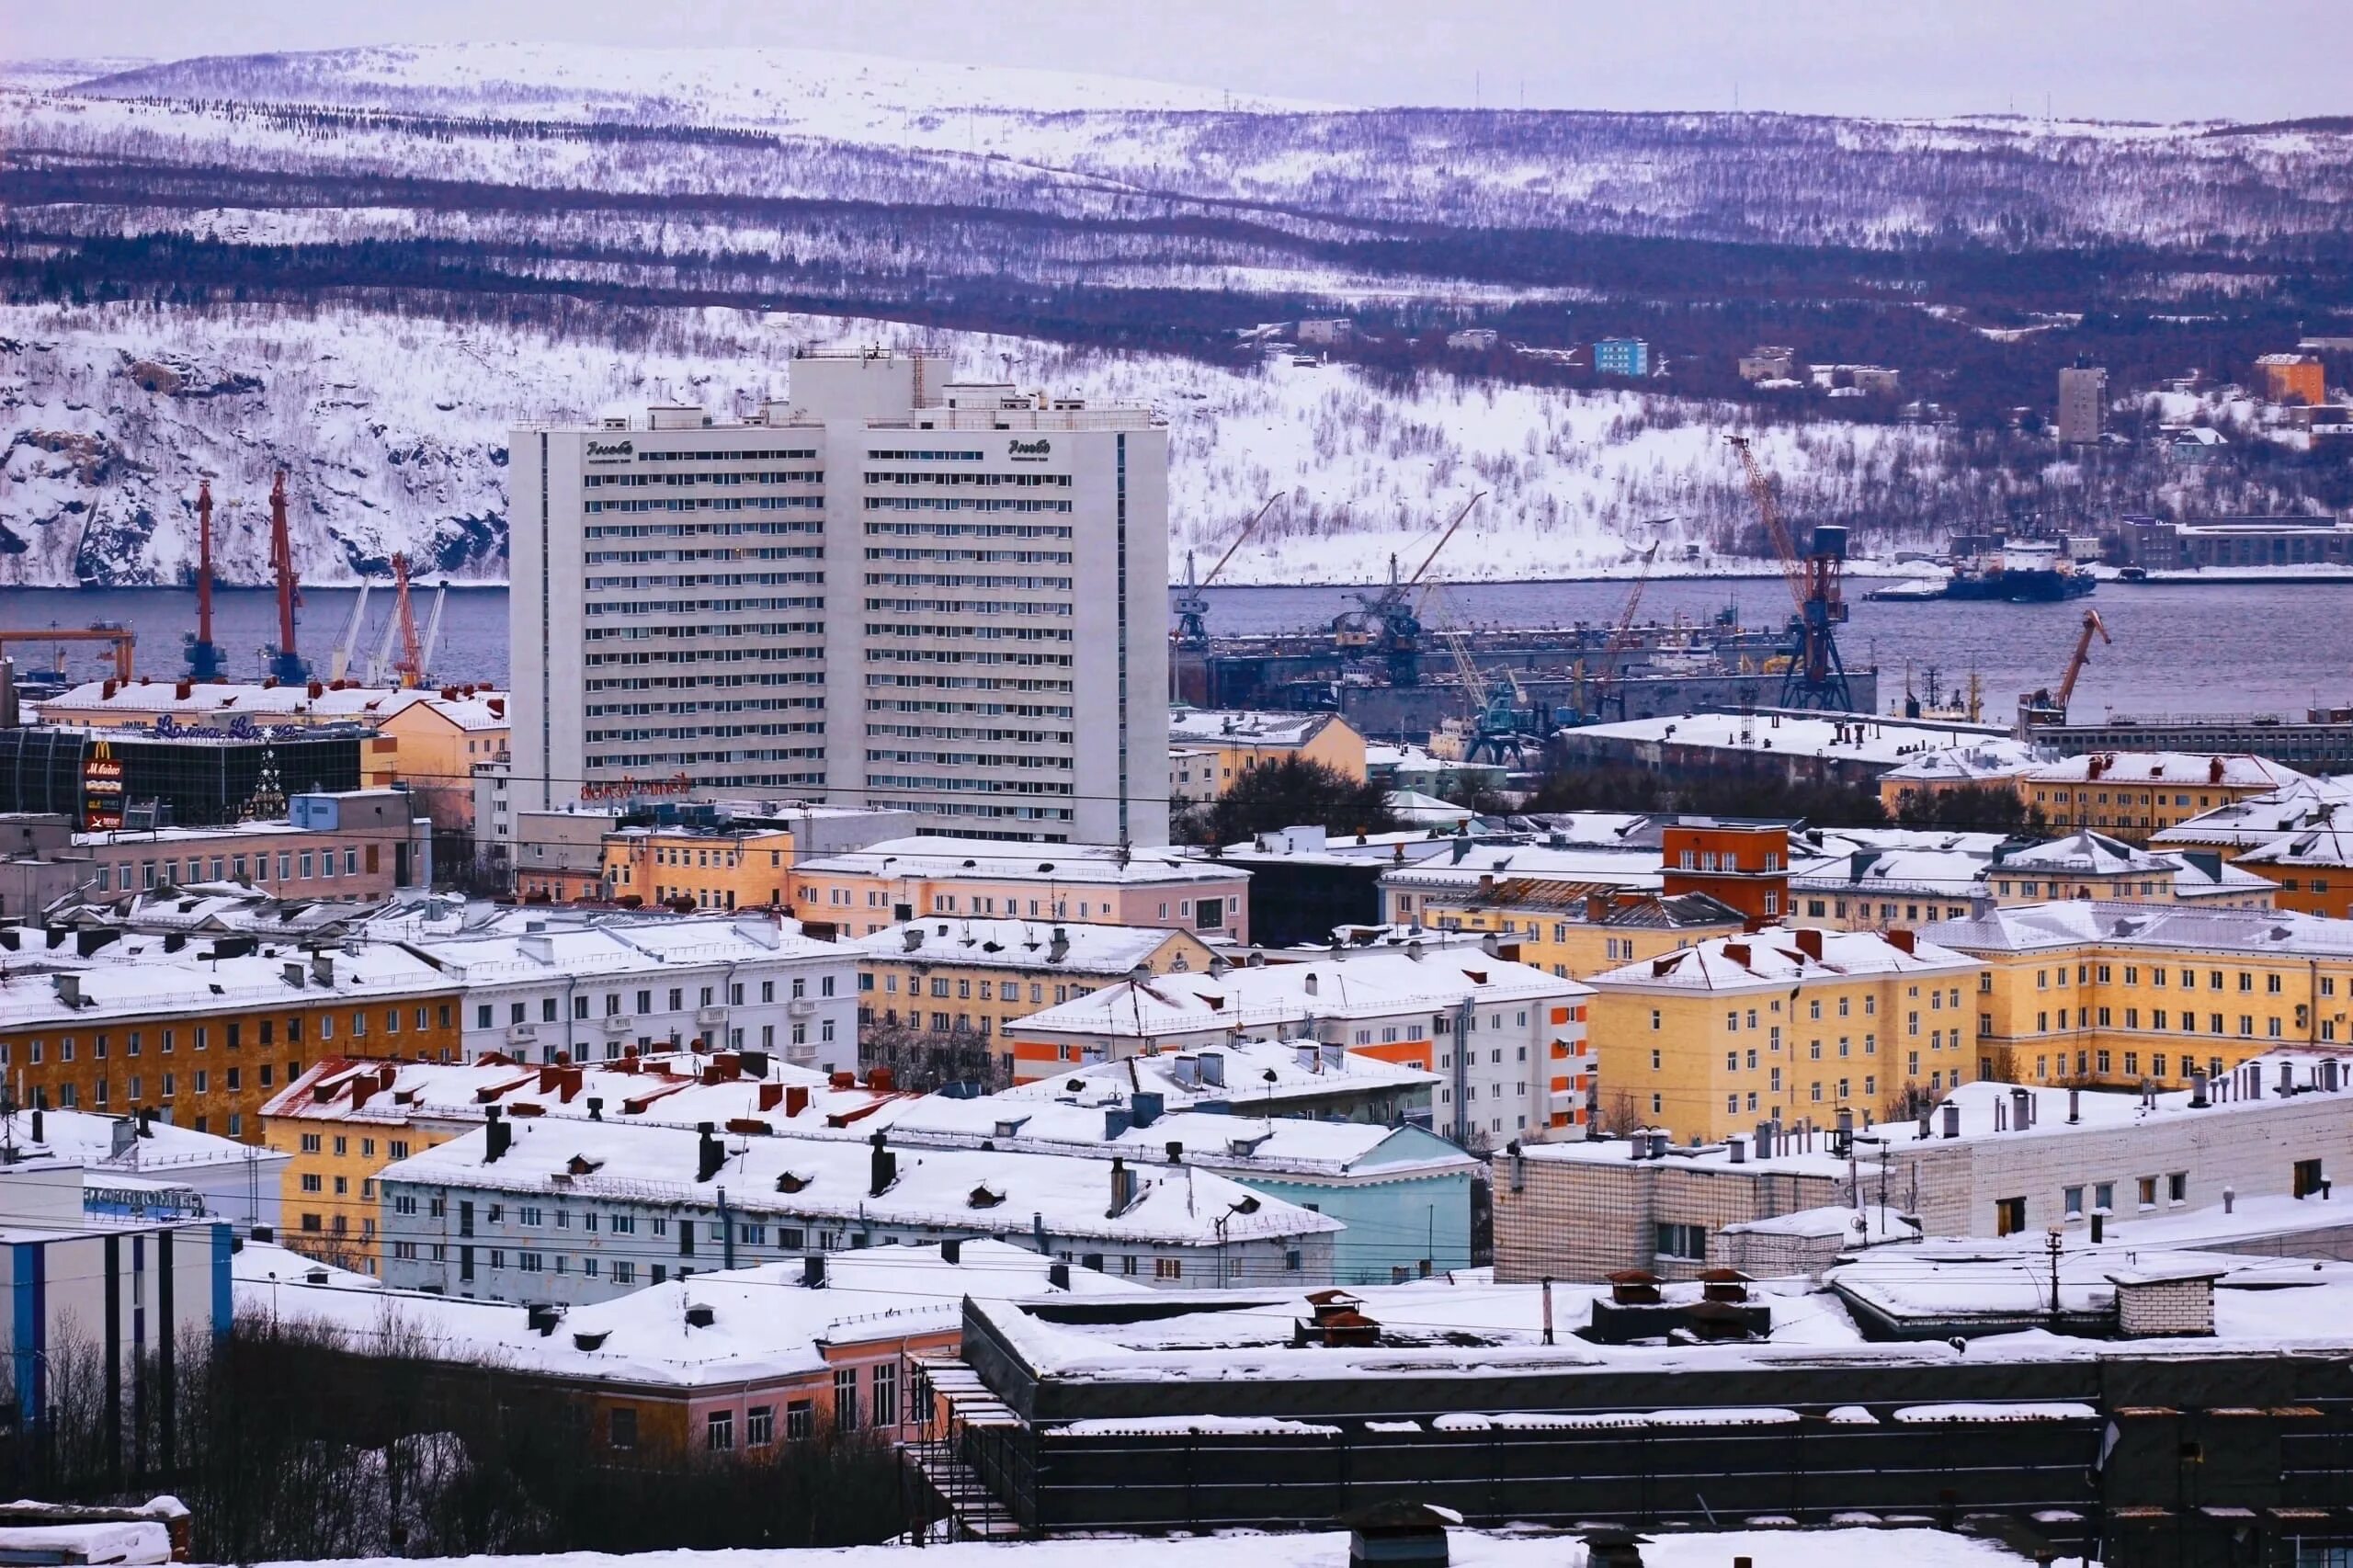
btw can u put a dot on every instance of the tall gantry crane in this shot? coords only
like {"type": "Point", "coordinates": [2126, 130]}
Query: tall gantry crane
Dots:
{"type": "Point", "coordinates": [1816, 676]}
{"type": "Point", "coordinates": [1502, 717]}
{"type": "Point", "coordinates": [1385, 624]}
{"type": "Point", "coordinates": [1192, 633]}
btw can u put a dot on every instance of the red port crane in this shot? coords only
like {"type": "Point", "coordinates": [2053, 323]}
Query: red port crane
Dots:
{"type": "Point", "coordinates": [1817, 675]}
{"type": "Point", "coordinates": [286, 663]}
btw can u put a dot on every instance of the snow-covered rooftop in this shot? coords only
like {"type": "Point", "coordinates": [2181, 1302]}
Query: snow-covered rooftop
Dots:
{"type": "Point", "coordinates": [610, 946]}
{"type": "Point", "coordinates": [471, 709]}
{"type": "Point", "coordinates": [1243, 727]}
{"type": "Point", "coordinates": [2168, 769]}
{"type": "Point", "coordinates": [1266, 1075]}
{"type": "Point", "coordinates": [764, 1322]}
{"type": "Point", "coordinates": [151, 976]}
{"type": "Point", "coordinates": [1480, 862]}
{"type": "Point", "coordinates": [1859, 737]}
{"type": "Point", "coordinates": [678, 1089]}
{"type": "Point", "coordinates": [1777, 956]}
{"type": "Point", "coordinates": [977, 859]}
{"type": "Point", "coordinates": [1995, 757]}
{"type": "Point", "coordinates": [975, 1191]}
{"type": "Point", "coordinates": [1056, 946]}
{"type": "Point", "coordinates": [2260, 819]}
{"type": "Point", "coordinates": [2077, 922]}
{"type": "Point", "coordinates": [1364, 983]}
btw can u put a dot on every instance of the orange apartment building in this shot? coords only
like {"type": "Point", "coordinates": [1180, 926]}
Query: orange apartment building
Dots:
{"type": "Point", "coordinates": [1744, 864]}
{"type": "Point", "coordinates": [2293, 378]}
{"type": "Point", "coordinates": [206, 1031]}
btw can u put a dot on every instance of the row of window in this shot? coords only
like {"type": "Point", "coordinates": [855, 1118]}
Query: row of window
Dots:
{"type": "Point", "coordinates": [304, 864]}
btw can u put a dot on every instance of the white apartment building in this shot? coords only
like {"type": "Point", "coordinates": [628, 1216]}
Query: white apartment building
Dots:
{"type": "Point", "coordinates": [889, 590]}
{"type": "Point", "coordinates": [595, 989]}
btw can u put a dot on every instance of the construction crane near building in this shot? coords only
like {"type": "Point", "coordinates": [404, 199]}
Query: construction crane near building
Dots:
{"type": "Point", "coordinates": [1384, 625]}
{"type": "Point", "coordinates": [1192, 633]}
{"type": "Point", "coordinates": [285, 661]}
{"type": "Point", "coordinates": [120, 640]}
{"type": "Point", "coordinates": [2042, 706]}
{"type": "Point", "coordinates": [204, 662]}
{"type": "Point", "coordinates": [1817, 677]}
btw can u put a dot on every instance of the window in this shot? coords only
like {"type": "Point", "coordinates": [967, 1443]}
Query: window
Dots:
{"type": "Point", "coordinates": [621, 1428]}
{"type": "Point", "coordinates": [800, 1421]}
{"type": "Point", "coordinates": [759, 1427]}
{"type": "Point", "coordinates": [719, 1431]}
{"type": "Point", "coordinates": [1688, 1242]}
{"type": "Point", "coordinates": [1173, 1268]}
{"type": "Point", "coordinates": [886, 1395]}
{"type": "Point", "coordinates": [846, 1398]}
{"type": "Point", "coordinates": [2178, 1188]}
{"type": "Point", "coordinates": [2072, 1203]}
{"type": "Point", "coordinates": [2308, 1178]}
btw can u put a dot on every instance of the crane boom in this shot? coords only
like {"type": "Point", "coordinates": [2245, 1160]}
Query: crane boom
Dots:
{"type": "Point", "coordinates": [1785, 546]}
{"type": "Point", "coordinates": [1428, 559]}
{"type": "Point", "coordinates": [1247, 530]}
{"type": "Point", "coordinates": [412, 660]}
{"type": "Point", "coordinates": [339, 659]}
{"type": "Point", "coordinates": [432, 632]}
{"type": "Point", "coordinates": [2082, 654]}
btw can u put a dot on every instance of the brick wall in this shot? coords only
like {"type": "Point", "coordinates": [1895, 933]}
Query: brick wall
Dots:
{"type": "Point", "coordinates": [2165, 1306]}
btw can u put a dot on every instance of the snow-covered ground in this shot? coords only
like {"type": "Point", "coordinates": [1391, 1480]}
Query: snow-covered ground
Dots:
{"type": "Point", "coordinates": [394, 433]}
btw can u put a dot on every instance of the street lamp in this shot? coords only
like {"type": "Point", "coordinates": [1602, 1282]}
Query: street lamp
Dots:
{"type": "Point", "coordinates": [1245, 1206]}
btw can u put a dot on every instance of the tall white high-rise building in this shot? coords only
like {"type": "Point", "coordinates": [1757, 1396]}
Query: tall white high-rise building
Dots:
{"type": "Point", "coordinates": [891, 589]}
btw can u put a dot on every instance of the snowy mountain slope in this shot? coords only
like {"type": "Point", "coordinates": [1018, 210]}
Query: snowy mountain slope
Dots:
{"type": "Point", "coordinates": [808, 91]}
{"type": "Point", "coordinates": [393, 432]}
{"type": "Point", "coordinates": [1772, 177]}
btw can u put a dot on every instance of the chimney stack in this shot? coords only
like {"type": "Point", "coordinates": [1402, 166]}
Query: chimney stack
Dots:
{"type": "Point", "coordinates": [885, 1168]}
{"type": "Point", "coordinates": [2198, 1100]}
{"type": "Point", "coordinates": [1058, 1275]}
{"type": "Point", "coordinates": [812, 1271]}
{"type": "Point", "coordinates": [711, 1152]}
{"type": "Point", "coordinates": [1952, 1119]}
{"type": "Point", "coordinates": [1123, 1187]}
{"type": "Point", "coordinates": [498, 1135]}
{"type": "Point", "coordinates": [951, 1250]}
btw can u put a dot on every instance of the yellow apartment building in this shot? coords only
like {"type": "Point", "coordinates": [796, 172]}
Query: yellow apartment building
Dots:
{"type": "Point", "coordinates": [748, 867]}
{"type": "Point", "coordinates": [965, 977]}
{"type": "Point", "coordinates": [1788, 1024]}
{"type": "Point", "coordinates": [861, 892]}
{"type": "Point", "coordinates": [2086, 991]}
{"type": "Point", "coordinates": [1209, 750]}
{"type": "Point", "coordinates": [2130, 795]}
{"type": "Point", "coordinates": [1577, 930]}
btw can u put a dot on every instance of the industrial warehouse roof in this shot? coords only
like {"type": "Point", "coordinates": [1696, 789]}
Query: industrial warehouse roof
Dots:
{"type": "Point", "coordinates": [766, 1322]}
{"type": "Point", "coordinates": [1777, 956]}
{"type": "Point", "coordinates": [1860, 737]}
{"type": "Point", "coordinates": [2168, 769]}
{"type": "Point", "coordinates": [1244, 1074]}
{"type": "Point", "coordinates": [2037, 927]}
{"type": "Point", "coordinates": [992, 860]}
{"type": "Point", "coordinates": [1056, 946]}
{"type": "Point", "coordinates": [671, 1089]}
{"type": "Point", "coordinates": [1366, 984]}
{"type": "Point", "coordinates": [976, 1192]}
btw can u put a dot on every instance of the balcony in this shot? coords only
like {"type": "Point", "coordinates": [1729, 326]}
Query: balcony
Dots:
{"type": "Point", "coordinates": [618, 1023]}
{"type": "Point", "coordinates": [710, 1018]}
{"type": "Point", "coordinates": [800, 1007]}
{"type": "Point", "coordinates": [522, 1034]}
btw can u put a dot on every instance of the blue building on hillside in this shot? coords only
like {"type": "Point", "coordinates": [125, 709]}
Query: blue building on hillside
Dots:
{"type": "Point", "coordinates": [1621, 357]}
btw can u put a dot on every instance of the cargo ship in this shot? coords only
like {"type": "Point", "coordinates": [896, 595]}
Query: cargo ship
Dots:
{"type": "Point", "coordinates": [1990, 567]}
{"type": "Point", "coordinates": [2025, 571]}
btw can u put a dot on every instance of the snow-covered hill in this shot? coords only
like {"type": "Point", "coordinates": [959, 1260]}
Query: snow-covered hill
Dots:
{"type": "Point", "coordinates": [393, 431]}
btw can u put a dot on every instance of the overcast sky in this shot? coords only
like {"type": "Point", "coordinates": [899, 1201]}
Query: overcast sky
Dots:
{"type": "Point", "coordinates": [2116, 59]}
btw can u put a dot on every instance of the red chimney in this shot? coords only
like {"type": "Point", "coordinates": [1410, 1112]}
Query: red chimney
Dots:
{"type": "Point", "coordinates": [796, 1099]}
{"type": "Point", "coordinates": [2213, 770]}
{"type": "Point", "coordinates": [843, 1081]}
{"type": "Point", "coordinates": [1903, 941]}
{"type": "Point", "coordinates": [880, 1080]}
{"type": "Point", "coordinates": [1810, 942]}
{"type": "Point", "coordinates": [772, 1095]}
